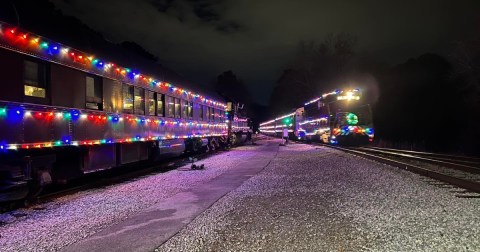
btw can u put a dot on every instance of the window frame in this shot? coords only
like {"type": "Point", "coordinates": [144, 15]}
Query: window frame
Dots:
{"type": "Point", "coordinates": [94, 99]}
{"type": "Point", "coordinates": [170, 102]}
{"type": "Point", "coordinates": [131, 92]}
{"type": "Point", "coordinates": [190, 110]}
{"type": "Point", "coordinates": [142, 95]}
{"type": "Point", "coordinates": [43, 69]}
{"type": "Point", "coordinates": [184, 104]}
{"type": "Point", "coordinates": [212, 114]}
{"type": "Point", "coordinates": [177, 107]}
{"type": "Point", "coordinates": [154, 98]}
{"type": "Point", "coordinates": [160, 111]}
{"type": "Point", "coordinates": [187, 109]}
{"type": "Point", "coordinates": [201, 115]}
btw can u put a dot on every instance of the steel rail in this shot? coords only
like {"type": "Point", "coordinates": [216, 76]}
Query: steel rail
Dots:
{"type": "Point", "coordinates": [463, 183]}
{"type": "Point", "coordinates": [450, 163]}
{"type": "Point", "coordinates": [433, 155]}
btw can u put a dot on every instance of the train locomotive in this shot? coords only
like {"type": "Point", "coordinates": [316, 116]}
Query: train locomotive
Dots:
{"type": "Point", "coordinates": [65, 113]}
{"type": "Point", "coordinates": [338, 117]}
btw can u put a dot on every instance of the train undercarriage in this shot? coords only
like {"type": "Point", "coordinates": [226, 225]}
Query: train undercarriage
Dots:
{"type": "Point", "coordinates": [25, 173]}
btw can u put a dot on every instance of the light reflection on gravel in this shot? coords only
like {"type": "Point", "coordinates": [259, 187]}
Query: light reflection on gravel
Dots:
{"type": "Point", "coordinates": [307, 199]}
{"type": "Point", "coordinates": [69, 219]}
{"type": "Point", "coordinates": [318, 199]}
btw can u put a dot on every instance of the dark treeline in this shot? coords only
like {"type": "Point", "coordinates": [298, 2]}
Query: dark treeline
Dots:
{"type": "Point", "coordinates": [426, 103]}
{"type": "Point", "coordinates": [41, 17]}
{"type": "Point", "coordinates": [233, 89]}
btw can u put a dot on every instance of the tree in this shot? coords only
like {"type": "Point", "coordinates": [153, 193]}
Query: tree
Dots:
{"type": "Point", "coordinates": [465, 59]}
{"type": "Point", "coordinates": [233, 89]}
{"type": "Point", "coordinates": [317, 68]}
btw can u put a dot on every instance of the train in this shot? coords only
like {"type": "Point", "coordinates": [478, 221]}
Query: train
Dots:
{"type": "Point", "coordinates": [65, 113]}
{"type": "Point", "coordinates": [339, 117]}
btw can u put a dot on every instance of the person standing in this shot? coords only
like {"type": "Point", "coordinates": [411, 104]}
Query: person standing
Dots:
{"type": "Point", "coordinates": [285, 135]}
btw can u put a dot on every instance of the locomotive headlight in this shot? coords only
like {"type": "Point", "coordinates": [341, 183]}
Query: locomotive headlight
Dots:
{"type": "Point", "coordinates": [349, 95]}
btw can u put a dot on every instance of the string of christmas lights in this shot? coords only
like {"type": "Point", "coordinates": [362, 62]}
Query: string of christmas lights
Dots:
{"type": "Point", "coordinates": [14, 38]}
{"type": "Point", "coordinates": [67, 142]}
{"type": "Point", "coordinates": [17, 113]}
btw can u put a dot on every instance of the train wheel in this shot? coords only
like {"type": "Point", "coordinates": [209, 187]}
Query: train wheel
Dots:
{"type": "Point", "coordinates": [233, 140]}
{"type": "Point", "coordinates": [213, 145]}
{"type": "Point", "coordinates": [40, 178]}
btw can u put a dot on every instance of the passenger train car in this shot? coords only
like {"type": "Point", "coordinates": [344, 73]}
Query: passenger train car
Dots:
{"type": "Point", "coordinates": [338, 117]}
{"type": "Point", "coordinates": [64, 113]}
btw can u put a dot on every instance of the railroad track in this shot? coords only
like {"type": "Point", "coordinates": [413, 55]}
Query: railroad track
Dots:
{"type": "Point", "coordinates": [459, 171]}
{"type": "Point", "coordinates": [470, 161]}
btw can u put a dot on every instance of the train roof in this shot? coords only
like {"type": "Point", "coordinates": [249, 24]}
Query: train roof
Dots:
{"type": "Point", "coordinates": [153, 74]}
{"type": "Point", "coordinates": [347, 94]}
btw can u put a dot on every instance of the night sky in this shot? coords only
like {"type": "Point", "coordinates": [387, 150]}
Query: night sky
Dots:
{"type": "Point", "coordinates": [258, 39]}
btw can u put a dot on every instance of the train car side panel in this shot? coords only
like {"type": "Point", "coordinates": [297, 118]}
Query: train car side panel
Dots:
{"type": "Point", "coordinates": [11, 72]}
{"type": "Point", "coordinates": [67, 87]}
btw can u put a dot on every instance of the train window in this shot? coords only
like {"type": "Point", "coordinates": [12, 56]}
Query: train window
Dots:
{"type": "Point", "coordinates": [212, 114]}
{"type": "Point", "coordinates": [200, 117]}
{"type": "Point", "coordinates": [184, 108]}
{"type": "Point", "coordinates": [187, 110]}
{"type": "Point", "coordinates": [177, 107]}
{"type": "Point", "coordinates": [94, 93]}
{"type": "Point", "coordinates": [190, 110]}
{"type": "Point", "coordinates": [160, 107]}
{"type": "Point", "coordinates": [216, 114]}
{"type": "Point", "coordinates": [170, 106]}
{"type": "Point", "coordinates": [34, 79]}
{"type": "Point", "coordinates": [208, 113]}
{"type": "Point", "coordinates": [219, 115]}
{"type": "Point", "coordinates": [151, 103]}
{"type": "Point", "coordinates": [139, 101]}
{"type": "Point", "coordinates": [127, 99]}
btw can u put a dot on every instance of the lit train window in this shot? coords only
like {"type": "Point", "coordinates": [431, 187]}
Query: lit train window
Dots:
{"type": "Point", "coordinates": [35, 79]}
{"type": "Point", "coordinates": [170, 106]}
{"type": "Point", "coordinates": [151, 103]}
{"type": "Point", "coordinates": [160, 107]}
{"type": "Point", "coordinates": [139, 101]}
{"type": "Point", "coordinates": [127, 99]}
{"type": "Point", "coordinates": [177, 108]}
{"type": "Point", "coordinates": [184, 108]}
{"type": "Point", "coordinates": [187, 110]}
{"type": "Point", "coordinates": [94, 93]}
{"type": "Point", "coordinates": [190, 110]}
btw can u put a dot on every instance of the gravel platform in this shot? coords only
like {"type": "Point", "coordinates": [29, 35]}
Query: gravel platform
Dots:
{"type": "Point", "coordinates": [67, 220]}
{"type": "Point", "coordinates": [308, 198]}
{"type": "Point", "coordinates": [318, 199]}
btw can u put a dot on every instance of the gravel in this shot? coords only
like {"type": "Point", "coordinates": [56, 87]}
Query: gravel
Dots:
{"type": "Point", "coordinates": [319, 199]}
{"type": "Point", "coordinates": [307, 199]}
{"type": "Point", "coordinates": [68, 219]}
